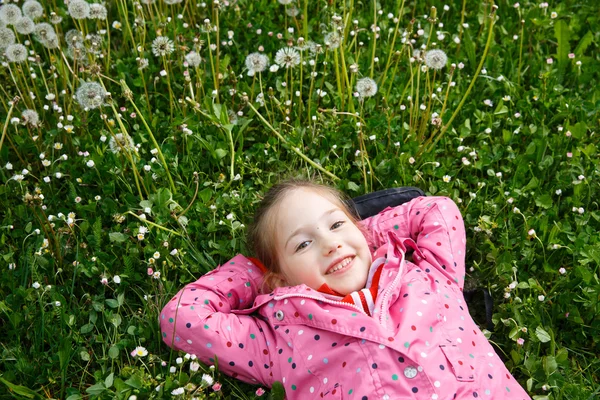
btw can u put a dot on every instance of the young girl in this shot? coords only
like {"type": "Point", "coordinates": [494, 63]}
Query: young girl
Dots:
{"type": "Point", "coordinates": [346, 314]}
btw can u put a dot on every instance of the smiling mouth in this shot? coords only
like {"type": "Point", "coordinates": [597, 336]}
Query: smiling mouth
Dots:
{"type": "Point", "coordinates": [342, 265]}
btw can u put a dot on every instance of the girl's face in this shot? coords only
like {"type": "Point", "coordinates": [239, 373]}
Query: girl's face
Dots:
{"type": "Point", "coordinates": [317, 243]}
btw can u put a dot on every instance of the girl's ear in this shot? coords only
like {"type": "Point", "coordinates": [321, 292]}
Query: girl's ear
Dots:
{"type": "Point", "coordinates": [273, 280]}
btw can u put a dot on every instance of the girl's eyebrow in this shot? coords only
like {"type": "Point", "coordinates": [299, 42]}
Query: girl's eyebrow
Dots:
{"type": "Point", "coordinates": [326, 213]}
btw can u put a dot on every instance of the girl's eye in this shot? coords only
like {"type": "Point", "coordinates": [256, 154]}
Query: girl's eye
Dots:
{"type": "Point", "coordinates": [302, 245]}
{"type": "Point", "coordinates": [337, 224]}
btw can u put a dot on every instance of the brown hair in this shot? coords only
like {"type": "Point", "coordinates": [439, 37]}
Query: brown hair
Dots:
{"type": "Point", "coordinates": [261, 233]}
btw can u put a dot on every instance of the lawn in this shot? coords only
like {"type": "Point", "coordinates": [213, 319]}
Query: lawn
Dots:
{"type": "Point", "coordinates": [138, 137]}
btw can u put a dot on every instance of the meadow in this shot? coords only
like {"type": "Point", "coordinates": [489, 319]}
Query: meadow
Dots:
{"type": "Point", "coordinates": [138, 137]}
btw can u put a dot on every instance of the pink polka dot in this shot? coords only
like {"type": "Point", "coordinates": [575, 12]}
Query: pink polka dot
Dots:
{"type": "Point", "coordinates": [439, 243]}
{"type": "Point", "coordinates": [414, 328]}
{"type": "Point", "coordinates": [334, 321]}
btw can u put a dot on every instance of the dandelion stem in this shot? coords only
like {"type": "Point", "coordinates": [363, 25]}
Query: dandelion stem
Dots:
{"type": "Point", "coordinates": [391, 54]}
{"type": "Point", "coordinates": [520, 52]}
{"type": "Point", "coordinates": [466, 95]}
{"type": "Point", "coordinates": [5, 128]}
{"type": "Point", "coordinates": [374, 43]}
{"type": "Point", "coordinates": [294, 149]}
{"type": "Point", "coordinates": [153, 224]}
{"type": "Point", "coordinates": [154, 142]}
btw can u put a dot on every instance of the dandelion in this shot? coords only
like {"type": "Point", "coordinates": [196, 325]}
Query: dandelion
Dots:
{"type": "Point", "coordinates": [436, 59]}
{"type": "Point", "coordinates": [90, 95]}
{"type": "Point", "coordinates": [179, 360]}
{"type": "Point", "coordinates": [558, 192]}
{"type": "Point", "coordinates": [207, 379]}
{"type": "Point", "coordinates": [162, 46]}
{"type": "Point", "coordinates": [30, 117]}
{"type": "Point", "coordinates": [139, 352]}
{"type": "Point", "coordinates": [44, 31]}
{"type": "Point", "coordinates": [10, 14]}
{"type": "Point", "coordinates": [287, 57]}
{"type": "Point", "coordinates": [178, 392]}
{"type": "Point", "coordinates": [541, 297]}
{"type": "Point", "coordinates": [57, 304]}
{"type": "Point", "coordinates": [256, 62]}
{"type": "Point", "coordinates": [562, 270]}
{"type": "Point", "coordinates": [97, 11]}
{"type": "Point", "coordinates": [25, 25]}
{"type": "Point", "coordinates": [7, 37]}
{"type": "Point", "coordinates": [16, 53]}
{"type": "Point", "coordinates": [36, 285]}
{"type": "Point", "coordinates": [193, 59]}
{"type": "Point", "coordinates": [73, 37]}
{"type": "Point", "coordinates": [366, 87]}
{"type": "Point", "coordinates": [79, 9]}
{"type": "Point", "coordinates": [142, 63]}
{"type": "Point", "coordinates": [520, 341]}
{"type": "Point", "coordinates": [333, 40]}
{"type": "Point", "coordinates": [172, 370]}
{"type": "Point", "coordinates": [120, 142]}
{"type": "Point", "coordinates": [33, 9]}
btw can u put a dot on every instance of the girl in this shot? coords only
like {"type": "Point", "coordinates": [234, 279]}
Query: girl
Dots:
{"type": "Point", "coordinates": [346, 314]}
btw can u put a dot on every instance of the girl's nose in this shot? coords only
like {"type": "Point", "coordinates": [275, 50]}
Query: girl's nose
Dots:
{"type": "Point", "coordinates": [332, 247]}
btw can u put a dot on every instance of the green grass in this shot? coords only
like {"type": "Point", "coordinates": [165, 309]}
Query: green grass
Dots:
{"type": "Point", "coordinates": [511, 135]}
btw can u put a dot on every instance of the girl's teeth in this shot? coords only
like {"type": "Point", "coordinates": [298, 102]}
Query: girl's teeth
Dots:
{"type": "Point", "coordinates": [340, 265]}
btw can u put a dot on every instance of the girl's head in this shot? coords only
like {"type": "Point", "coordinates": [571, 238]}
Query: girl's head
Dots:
{"type": "Point", "coordinates": [304, 233]}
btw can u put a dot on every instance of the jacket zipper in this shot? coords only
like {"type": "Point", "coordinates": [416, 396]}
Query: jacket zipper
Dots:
{"type": "Point", "coordinates": [324, 300]}
{"type": "Point", "coordinates": [388, 290]}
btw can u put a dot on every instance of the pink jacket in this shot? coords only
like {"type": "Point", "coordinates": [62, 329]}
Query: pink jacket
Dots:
{"type": "Point", "coordinates": [420, 343]}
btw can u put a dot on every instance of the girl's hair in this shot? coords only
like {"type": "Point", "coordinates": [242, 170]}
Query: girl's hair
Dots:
{"type": "Point", "coordinates": [263, 230]}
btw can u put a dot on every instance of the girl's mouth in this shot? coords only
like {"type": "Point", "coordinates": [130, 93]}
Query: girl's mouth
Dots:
{"type": "Point", "coordinates": [341, 266]}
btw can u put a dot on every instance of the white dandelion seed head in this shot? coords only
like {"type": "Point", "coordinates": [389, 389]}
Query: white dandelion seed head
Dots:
{"type": "Point", "coordinates": [333, 40]}
{"type": "Point", "coordinates": [162, 46]}
{"type": "Point", "coordinates": [256, 62]}
{"type": "Point", "coordinates": [25, 25]}
{"type": "Point", "coordinates": [121, 142]}
{"type": "Point", "coordinates": [79, 9]}
{"type": "Point", "coordinates": [287, 57]}
{"type": "Point", "coordinates": [97, 11]}
{"type": "Point", "coordinates": [16, 53]}
{"type": "Point", "coordinates": [171, 2]}
{"type": "Point", "coordinates": [90, 95]}
{"type": "Point", "coordinates": [73, 38]}
{"type": "Point", "coordinates": [436, 59]}
{"type": "Point", "coordinates": [193, 59]}
{"type": "Point", "coordinates": [366, 87]}
{"type": "Point", "coordinates": [33, 9]}
{"type": "Point", "coordinates": [7, 37]}
{"type": "Point", "coordinates": [292, 11]}
{"type": "Point", "coordinates": [10, 14]}
{"type": "Point", "coordinates": [30, 117]}
{"type": "Point", "coordinates": [44, 31]}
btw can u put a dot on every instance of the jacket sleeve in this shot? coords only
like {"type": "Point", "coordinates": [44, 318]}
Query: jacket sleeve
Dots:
{"type": "Point", "coordinates": [434, 223]}
{"type": "Point", "coordinates": [201, 319]}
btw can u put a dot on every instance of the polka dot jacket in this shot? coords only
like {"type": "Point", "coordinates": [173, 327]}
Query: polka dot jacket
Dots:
{"type": "Point", "coordinates": [420, 342]}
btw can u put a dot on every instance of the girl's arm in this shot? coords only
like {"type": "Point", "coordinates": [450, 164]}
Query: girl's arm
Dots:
{"type": "Point", "coordinates": [434, 223]}
{"type": "Point", "coordinates": [201, 320]}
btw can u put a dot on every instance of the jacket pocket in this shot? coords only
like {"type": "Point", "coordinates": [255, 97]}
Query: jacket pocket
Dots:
{"type": "Point", "coordinates": [460, 363]}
